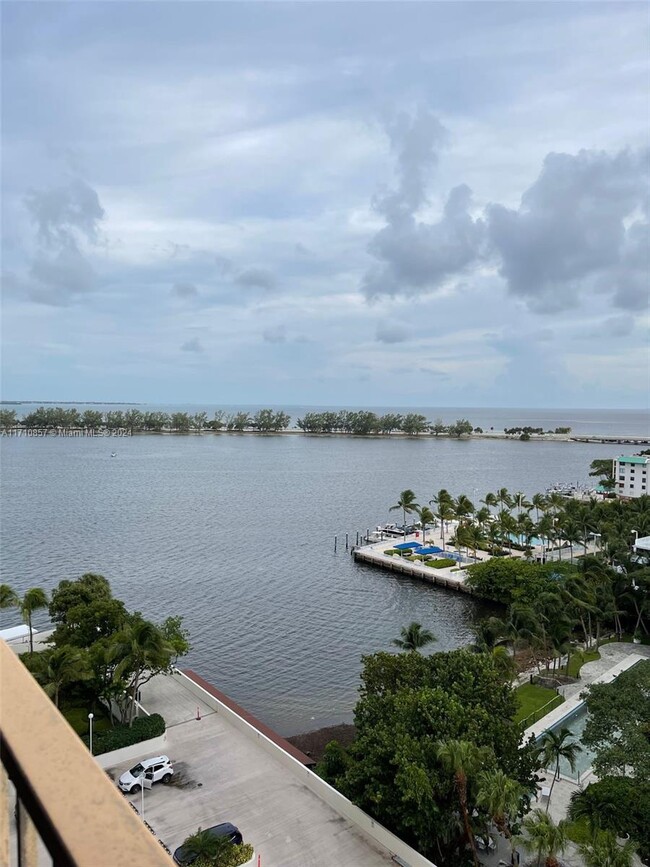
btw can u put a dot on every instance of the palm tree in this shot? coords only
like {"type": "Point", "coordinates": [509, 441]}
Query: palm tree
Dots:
{"type": "Point", "coordinates": [464, 507]}
{"type": "Point", "coordinates": [540, 504]}
{"type": "Point", "coordinates": [604, 851]}
{"type": "Point", "coordinates": [472, 536]}
{"type": "Point", "coordinates": [202, 844]}
{"type": "Point", "coordinates": [407, 504]}
{"type": "Point", "coordinates": [547, 838]}
{"type": "Point", "coordinates": [445, 513]}
{"type": "Point", "coordinates": [414, 637]}
{"type": "Point", "coordinates": [502, 797]}
{"type": "Point", "coordinates": [8, 597]}
{"type": "Point", "coordinates": [490, 501]}
{"type": "Point", "coordinates": [519, 500]}
{"type": "Point", "coordinates": [556, 746]}
{"type": "Point", "coordinates": [142, 646]}
{"type": "Point", "coordinates": [504, 499]}
{"type": "Point", "coordinates": [32, 600]}
{"type": "Point", "coordinates": [62, 666]}
{"type": "Point", "coordinates": [426, 516]}
{"type": "Point", "coordinates": [462, 759]}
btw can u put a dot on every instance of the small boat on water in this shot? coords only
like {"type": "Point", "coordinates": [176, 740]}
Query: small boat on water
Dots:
{"type": "Point", "coordinates": [113, 454]}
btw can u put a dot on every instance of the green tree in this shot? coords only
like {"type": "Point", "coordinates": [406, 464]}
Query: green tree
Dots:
{"type": "Point", "coordinates": [207, 847]}
{"type": "Point", "coordinates": [199, 421]}
{"type": "Point", "coordinates": [503, 799]}
{"type": "Point", "coordinates": [618, 725]}
{"type": "Point", "coordinates": [414, 638]}
{"type": "Point", "coordinates": [407, 703]}
{"type": "Point", "coordinates": [462, 759]}
{"type": "Point", "coordinates": [426, 516]}
{"type": "Point", "coordinates": [557, 746]}
{"type": "Point", "coordinates": [407, 504]}
{"type": "Point", "coordinates": [144, 653]}
{"type": "Point", "coordinates": [60, 667]}
{"type": "Point", "coordinates": [92, 419]}
{"type": "Point", "coordinates": [8, 597]}
{"type": "Point", "coordinates": [545, 837]}
{"type": "Point", "coordinates": [604, 851]}
{"type": "Point", "coordinates": [32, 601]}
{"type": "Point", "coordinates": [8, 419]}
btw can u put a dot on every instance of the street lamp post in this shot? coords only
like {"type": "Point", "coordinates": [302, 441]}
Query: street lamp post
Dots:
{"type": "Point", "coordinates": [91, 716]}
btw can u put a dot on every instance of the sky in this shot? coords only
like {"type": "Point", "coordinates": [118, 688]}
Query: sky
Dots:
{"type": "Point", "coordinates": [386, 204]}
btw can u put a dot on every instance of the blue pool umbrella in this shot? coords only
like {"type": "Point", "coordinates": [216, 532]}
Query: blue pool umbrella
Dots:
{"type": "Point", "coordinates": [433, 550]}
{"type": "Point", "coordinates": [404, 545]}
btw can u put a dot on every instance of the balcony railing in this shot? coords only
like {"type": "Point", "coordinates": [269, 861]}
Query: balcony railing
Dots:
{"type": "Point", "coordinates": [57, 806]}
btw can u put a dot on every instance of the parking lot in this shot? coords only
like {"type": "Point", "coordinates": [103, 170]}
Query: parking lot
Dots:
{"type": "Point", "coordinates": [221, 775]}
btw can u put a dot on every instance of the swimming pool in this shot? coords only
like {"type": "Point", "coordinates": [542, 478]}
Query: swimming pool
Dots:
{"type": "Point", "coordinates": [575, 721]}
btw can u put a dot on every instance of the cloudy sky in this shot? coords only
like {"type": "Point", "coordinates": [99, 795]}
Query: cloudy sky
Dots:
{"type": "Point", "coordinates": [335, 203]}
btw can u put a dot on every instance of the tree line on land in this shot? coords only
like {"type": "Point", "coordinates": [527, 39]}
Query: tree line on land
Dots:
{"type": "Point", "coordinates": [503, 521]}
{"type": "Point", "coordinates": [357, 423]}
{"type": "Point", "coordinates": [99, 654]}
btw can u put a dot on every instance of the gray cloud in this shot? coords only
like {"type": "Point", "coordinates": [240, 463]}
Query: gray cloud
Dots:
{"type": "Point", "coordinates": [61, 275]}
{"type": "Point", "coordinates": [415, 256]}
{"type": "Point", "coordinates": [418, 256]}
{"type": "Point", "coordinates": [63, 216]}
{"type": "Point", "coordinates": [615, 326]}
{"type": "Point", "coordinates": [275, 334]}
{"type": "Point", "coordinates": [572, 233]}
{"type": "Point", "coordinates": [255, 278]}
{"type": "Point", "coordinates": [391, 333]}
{"type": "Point", "coordinates": [62, 213]}
{"type": "Point", "coordinates": [185, 290]}
{"type": "Point", "coordinates": [193, 345]}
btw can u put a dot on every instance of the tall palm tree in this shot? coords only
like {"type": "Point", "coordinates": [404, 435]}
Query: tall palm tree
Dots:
{"type": "Point", "coordinates": [444, 513]}
{"type": "Point", "coordinates": [426, 516]}
{"type": "Point", "coordinates": [504, 499]}
{"type": "Point", "coordinates": [32, 601]}
{"type": "Point", "coordinates": [502, 797]}
{"type": "Point", "coordinates": [519, 500]}
{"type": "Point", "coordinates": [142, 646]}
{"type": "Point", "coordinates": [540, 504]}
{"type": "Point", "coordinates": [604, 851]}
{"type": "Point", "coordinates": [547, 838]}
{"type": "Point", "coordinates": [464, 507]}
{"type": "Point", "coordinates": [483, 516]}
{"type": "Point", "coordinates": [473, 536]}
{"type": "Point", "coordinates": [556, 746]}
{"type": "Point", "coordinates": [414, 638]}
{"type": "Point", "coordinates": [62, 666]}
{"type": "Point", "coordinates": [407, 504]}
{"type": "Point", "coordinates": [462, 759]}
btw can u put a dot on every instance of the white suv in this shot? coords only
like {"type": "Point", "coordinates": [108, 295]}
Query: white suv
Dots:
{"type": "Point", "coordinates": [155, 769]}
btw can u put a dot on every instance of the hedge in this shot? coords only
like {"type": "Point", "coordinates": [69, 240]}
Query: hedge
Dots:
{"type": "Point", "coordinates": [233, 856]}
{"type": "Point", "coordinates": [443, 563]}
{"type": "Point", "coordinates": [143, 729]}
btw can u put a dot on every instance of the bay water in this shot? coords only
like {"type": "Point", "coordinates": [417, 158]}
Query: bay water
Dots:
{"type": "Point", "coordinates": [236, 534]}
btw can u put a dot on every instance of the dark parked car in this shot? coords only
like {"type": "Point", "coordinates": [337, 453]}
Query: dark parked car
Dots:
{"type": "Point", "coordinates": [184, 857]}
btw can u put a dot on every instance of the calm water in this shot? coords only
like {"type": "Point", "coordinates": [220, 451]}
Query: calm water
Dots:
{"type": "Point", "coordinates": [236, 534]}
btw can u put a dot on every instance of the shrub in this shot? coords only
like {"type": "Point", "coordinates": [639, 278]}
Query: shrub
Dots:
{"type": "Point", "coordinates": [391, 552]}
{"type": "Point", "coordinates": [232, 857]}
{"type": "Point", "coordinates": [618, 804]}
{"type": "Point", "coordinates": [142, 729]}
{"type": "Point", "coordinates": [442, 563]}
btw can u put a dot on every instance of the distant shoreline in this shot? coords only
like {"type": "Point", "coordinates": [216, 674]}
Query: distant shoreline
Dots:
{"type": "Point", "coordinates": [81, 433]}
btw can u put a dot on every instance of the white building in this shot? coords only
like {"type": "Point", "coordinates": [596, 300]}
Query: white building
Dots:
{"type": "Point", "coordinates": [631, 475]}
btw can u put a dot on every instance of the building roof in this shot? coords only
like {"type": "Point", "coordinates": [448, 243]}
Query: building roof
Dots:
{"type": "Point", "coordinates": [634, 459]}
{"type": "Point", "coordinates": [643, 543]}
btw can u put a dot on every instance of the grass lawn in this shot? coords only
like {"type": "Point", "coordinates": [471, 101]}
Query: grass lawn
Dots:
{"type": "Point", "coordinates": [532, 698]}
{"type": "Point", "coordinates": [78, 719]}
{"type": "Point", "coordinates": [575, 663]}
